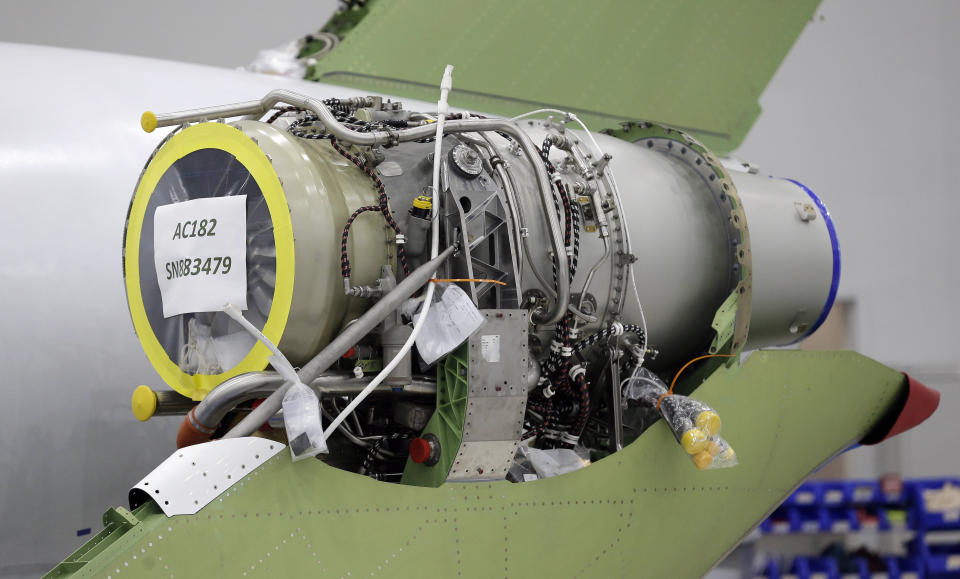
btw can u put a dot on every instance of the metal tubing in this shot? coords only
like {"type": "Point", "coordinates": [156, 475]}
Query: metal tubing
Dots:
{"type": "Point", "coordinates": [350, 336]}
{"type": "Point", "coordinates": [372, 138]}
{"type": "Point", "coordinates": [252, 385]}
{"type": "Point", "coordinates": [232, 392]}
{"type": "Point", "coordinates": [254, 108]}
{"type": "Point", "coordinates": [171, 403]}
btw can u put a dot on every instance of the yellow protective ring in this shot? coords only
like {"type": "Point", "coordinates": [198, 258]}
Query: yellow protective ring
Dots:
{"type": "Point", "coordinates": [233, 141]}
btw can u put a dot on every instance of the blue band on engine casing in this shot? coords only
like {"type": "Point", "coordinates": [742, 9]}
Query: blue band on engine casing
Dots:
{"type": "Point", "coordinates": [835, 247]}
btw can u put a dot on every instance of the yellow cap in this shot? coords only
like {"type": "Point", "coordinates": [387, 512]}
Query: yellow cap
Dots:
{"type": "Point", "coordinates": [702, 460]}
{"type": "Point", "coordinates": [709, 422]}
{"type": "Point", "coordinates": [694, 441]}
{"type": "Point", "coordinates": [143, 402]}
{"type": "Point", "coordinates": [148, 121]}
{"type": "Point", "coordinates": [422, 202]}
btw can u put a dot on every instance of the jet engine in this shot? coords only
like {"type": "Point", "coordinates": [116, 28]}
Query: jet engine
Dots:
{"type": "Point", "coordinates": [560, 261]}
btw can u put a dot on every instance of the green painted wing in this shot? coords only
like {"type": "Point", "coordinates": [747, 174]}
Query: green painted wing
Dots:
{"type": "Point", "coordinates": [642, 512]}
{"type": "Point", "coordinates": [698, 65]}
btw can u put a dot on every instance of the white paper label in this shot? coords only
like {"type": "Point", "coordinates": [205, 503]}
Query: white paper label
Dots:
{"type": "Point", "coordinates": [490, 348]}
{"type": "Point", "coordinates": [529, 477]}
{"type": "Point", "coordinates": [450, 321]}
{"type": "Point", "coordinates": [200, 252]}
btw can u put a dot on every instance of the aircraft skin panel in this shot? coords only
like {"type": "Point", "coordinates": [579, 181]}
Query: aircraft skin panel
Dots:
{"type": "Point", "coordinates": [645, 511]}
{"type": "Point", "coordinates": [698, 66]}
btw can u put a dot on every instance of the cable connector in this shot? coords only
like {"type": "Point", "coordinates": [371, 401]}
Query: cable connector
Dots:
{"type": "Point", "coordinates": [445, 85]}
{"type": "Point", "coordinates": [577, 371]}
{"type": "Point", "coordinates": [566, 351]}
{"type": "Point", "coordinates": [548, 391]}
{"type": "Point", "coordinates": [571, 439]}
{"type": "Point", "coordinates": [447, 82]}
{"type": "Point", "coordinates": [617, 328]}
{"type": "Point", "coordinates": [346, 286]}
{"type": "Point", "coordinates": [400, 239]}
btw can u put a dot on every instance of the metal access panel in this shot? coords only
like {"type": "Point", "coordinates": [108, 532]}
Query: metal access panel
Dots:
{"type": "Point", "coordinates": [498, 367]}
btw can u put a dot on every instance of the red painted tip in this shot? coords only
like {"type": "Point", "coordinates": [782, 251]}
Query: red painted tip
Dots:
{"type": "Point", "coordinates": [921, 402]}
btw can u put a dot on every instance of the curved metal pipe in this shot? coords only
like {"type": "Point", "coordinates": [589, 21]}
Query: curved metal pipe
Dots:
{"type": "Point", "coordinates": [225, 397]}
{"type": "Point", "coordinates": [204, 418]}
{"type": "Point", "coordinates": [372, 138]}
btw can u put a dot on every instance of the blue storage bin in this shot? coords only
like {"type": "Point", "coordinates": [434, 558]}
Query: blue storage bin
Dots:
{"type": "Point", "coordinates": [863, 492]}
{"type": "Point", "coordinates": [834, 493]}
{"type": "Point", "coordinates": [807, 494]}
{"type": "Point", "coordinates": [771, 570]}
{"type": "Point", "coordinates": [927, 519]}
{"type": "Point", "coordinates": [800, 567]}
{"type": "Point", "coordinates": [872, 518]}
{"type": "Point", "coordinates": [941, 560]}
{"type": "Point", "coordinates": [778, 522]}
{"type": "Point", "coordinates": [863, 570]}
{"type": "Point", "coordinates": [904, 568]}
{"type": "Point", "coordinates": [805, 519]}
{"type": "Point", "coordinates": [838, 520]}
{"type": "Point", "coordinates": [824, 568]}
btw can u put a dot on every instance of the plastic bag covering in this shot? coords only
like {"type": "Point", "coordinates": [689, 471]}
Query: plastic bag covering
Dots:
{"type": "Point", "coordinates": [451, 320]}
{"type": "Point", "coordinates": [551, 462]}
{"type": "Point", "coordinates": [695, 425]}
{"type": "Point", "coordinates": [281, 61]}
{"type": "Point", "coordinates": [301, 418]}
{"type": "Point", "coordinates": [301, 407]}
{"type": "Point", "coordinates": [210, 342]}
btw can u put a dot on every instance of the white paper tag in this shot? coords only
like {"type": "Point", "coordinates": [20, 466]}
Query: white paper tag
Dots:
{"type": "Point", "coordinates": [449, 322]}
{"type": "Point", "coordinates": [200, 252]}
{"type": "Point", "coordinates": [490, 348]}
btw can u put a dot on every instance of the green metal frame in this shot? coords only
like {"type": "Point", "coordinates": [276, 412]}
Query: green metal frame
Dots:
{"type": "Point", "coordinates": [645, 510]}
{"type": "Point", "coordinates": [453, 386]}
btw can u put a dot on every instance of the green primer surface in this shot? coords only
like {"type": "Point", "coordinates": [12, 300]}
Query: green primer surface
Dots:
{"type": "Point", "coordinates": [644, 511]}
{"type": "Point", "coordinates": [453, 387]}
{"type": "Point", "coordinates": [694, 64]}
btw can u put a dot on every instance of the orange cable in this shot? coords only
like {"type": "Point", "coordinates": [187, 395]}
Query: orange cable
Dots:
{"type": "Point", "coordinates": [684, 367]}
{"type": "Point", "coordinates": [458, 279]}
